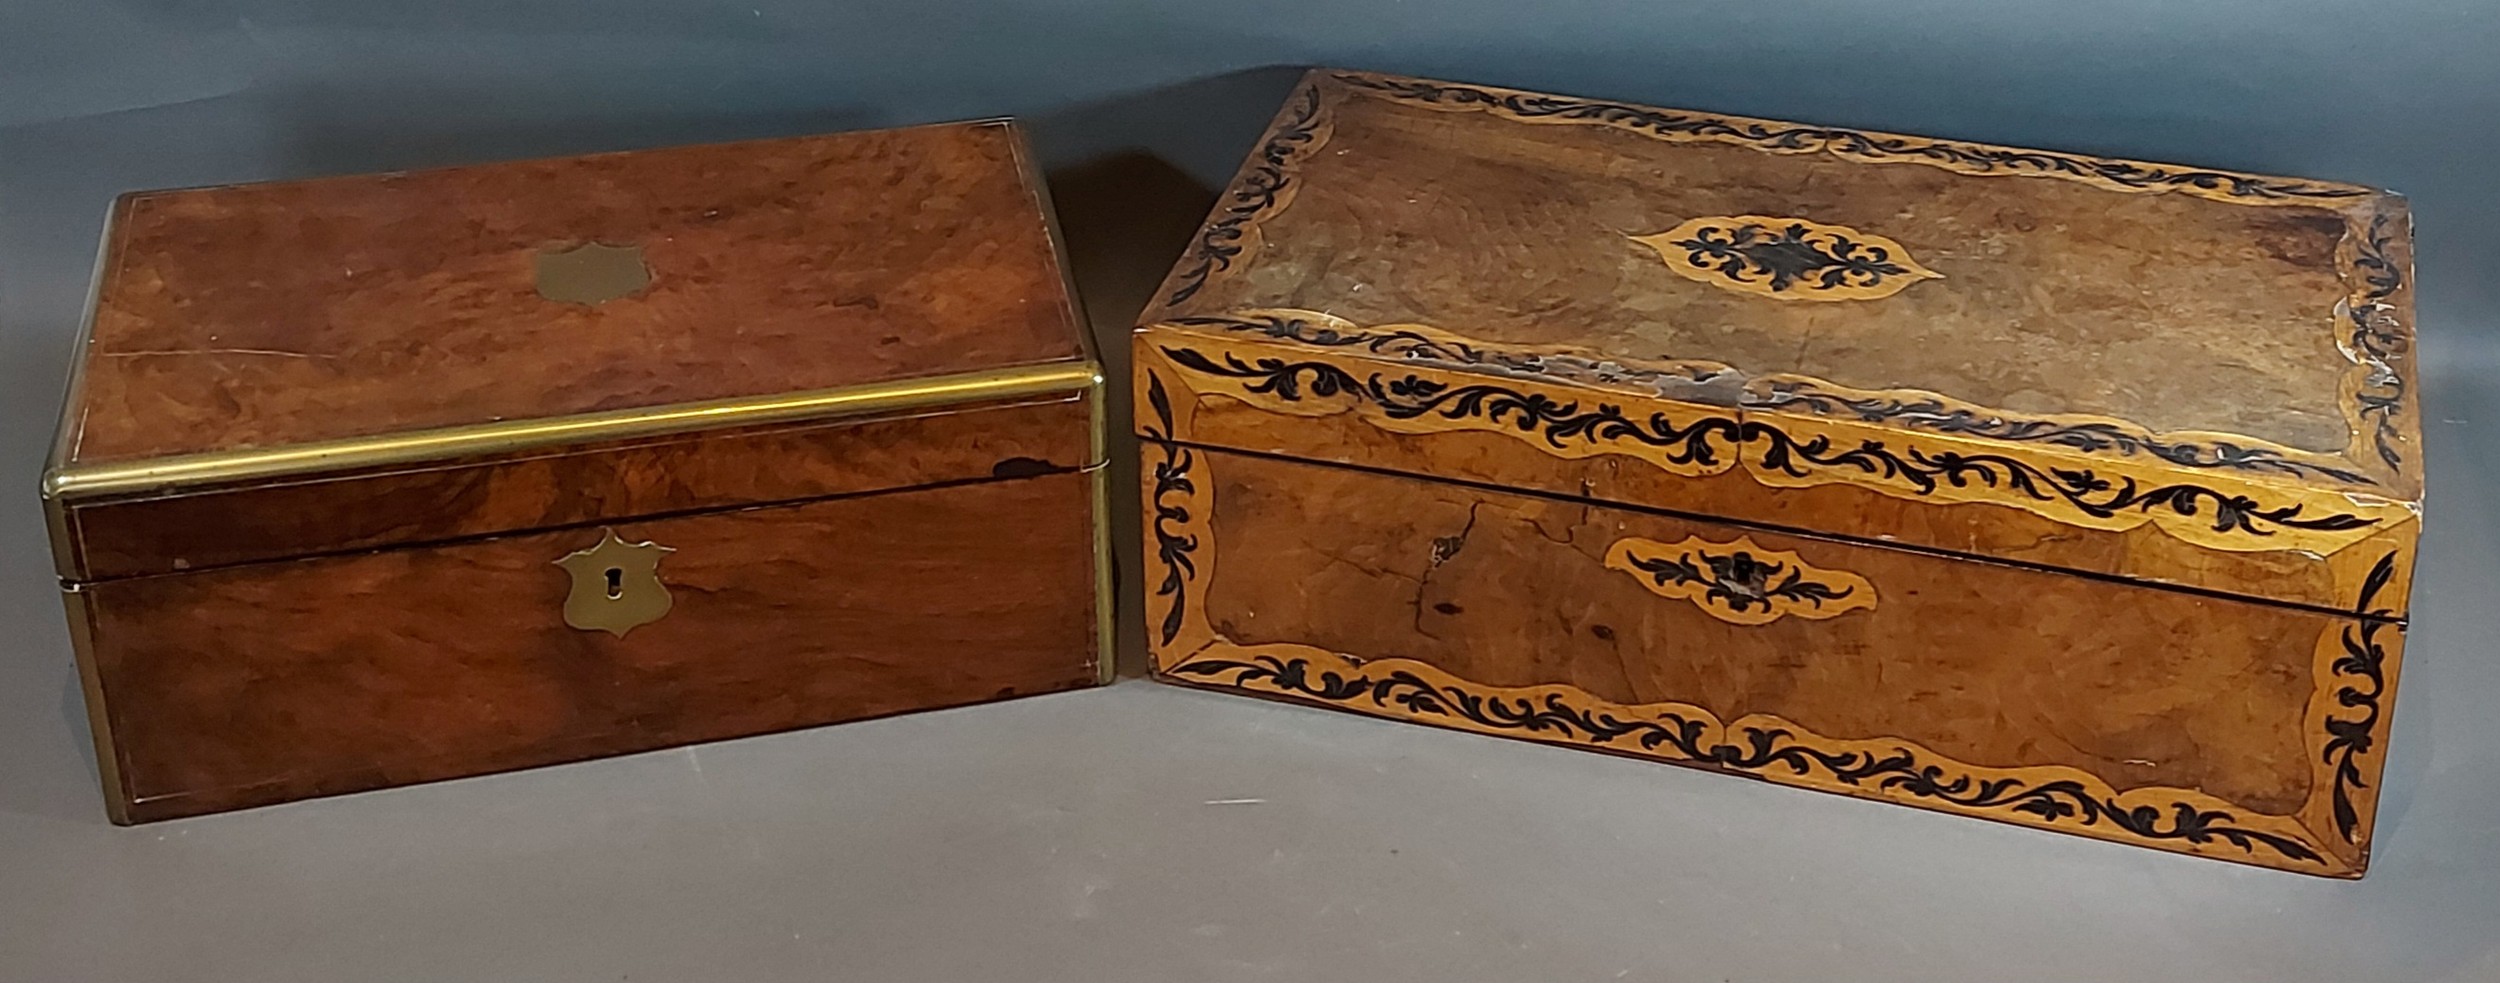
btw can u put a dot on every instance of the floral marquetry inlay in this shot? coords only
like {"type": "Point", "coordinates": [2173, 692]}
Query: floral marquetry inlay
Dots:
{"type": "Point", "coordinates": [1787, 258]}
{"type": "Point", "coordinates": [1740, 582]}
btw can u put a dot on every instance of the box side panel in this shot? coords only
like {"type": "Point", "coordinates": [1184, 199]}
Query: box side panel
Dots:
{"type": "Point", "coordinates": [2157, 718]}
{"type": "Point", "coordinates": [278, 681]}
{"type": "Point", "coordinates": [686, 472]}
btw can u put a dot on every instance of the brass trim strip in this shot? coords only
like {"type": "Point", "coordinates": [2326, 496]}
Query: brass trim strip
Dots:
{"type": "Point", "coordinates": [65, 428]}
{"type": "Point", "coordinates": [56, 520]}
{"type": "Point", "coordinates": [108, 761]}
{"type": "Point", "coordinates": [1098, 413]}
{"type": "Point", "coordinates": [222, 467]}
{"type": "Point", "coordinates": [1106, 581]}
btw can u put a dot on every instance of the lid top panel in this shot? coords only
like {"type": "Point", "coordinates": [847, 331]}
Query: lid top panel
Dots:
{"type": "Point", "coordinates": [256, 316]}
{"type": "Point", "coordinates": [2170, 301]}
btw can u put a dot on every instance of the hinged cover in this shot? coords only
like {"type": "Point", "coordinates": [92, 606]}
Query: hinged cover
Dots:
{"type": "Point", "coordinates": [2165, 374]}
{"type": "Point", "coordinates": [295, 368]}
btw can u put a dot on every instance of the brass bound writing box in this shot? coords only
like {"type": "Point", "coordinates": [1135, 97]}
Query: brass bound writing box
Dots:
{"type": "Point", "coordinates": [376, 480]}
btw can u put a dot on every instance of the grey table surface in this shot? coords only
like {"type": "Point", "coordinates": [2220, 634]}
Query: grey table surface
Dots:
{"type": "Point", "coordinates": [1143, 831]}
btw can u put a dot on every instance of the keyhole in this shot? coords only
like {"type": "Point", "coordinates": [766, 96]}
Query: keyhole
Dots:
{"type": "Point", "coordinates": [616, 582]}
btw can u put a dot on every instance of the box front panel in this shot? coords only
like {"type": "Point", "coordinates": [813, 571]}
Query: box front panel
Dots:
{"type": "Point", "coordinates": [270, 682]}
{"type": "Point", "coordinates": [2219, 727]}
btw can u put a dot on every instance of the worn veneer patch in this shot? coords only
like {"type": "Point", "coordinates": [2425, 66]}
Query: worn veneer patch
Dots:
{"type": "Point", "coordinates": [2007, 669]}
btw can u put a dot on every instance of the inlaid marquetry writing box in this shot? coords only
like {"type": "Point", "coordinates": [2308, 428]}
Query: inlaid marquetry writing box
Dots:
{"type": "Point", "coordinates": [377, 480]}
{"type": "Point", "coordinates": [2069, 492]}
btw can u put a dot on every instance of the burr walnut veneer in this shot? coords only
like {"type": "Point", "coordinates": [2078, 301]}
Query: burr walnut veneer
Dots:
{"type": "Point", "coordinates": [375, 480]}
{"type": "Point", "coordinates": [2064, 491]}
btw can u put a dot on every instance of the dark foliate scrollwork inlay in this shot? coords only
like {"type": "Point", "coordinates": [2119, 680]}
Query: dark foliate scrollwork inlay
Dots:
{"type": "Point", "coordinates": [1706, 438]}
{"type": "Point", "coordinates": [2365, 662]}
{"type": "Point", "coordinates": [1786, 258]}
{"type": "Point", "coordinates": [1174, 549]}
{"type": "Point", "coordinates": [1753, 750]}
{"type": "Point", "coordinates": [1776, 137]}
{"type": "Point", "coordinates": [1933, 414]}
{"type": "Point", "coordinates": [2378, 339]}
{"type": "Point", "coordinates": [1740, 582]}
{"type": "Point", "coordinates": [1924, 413]}
{"type": "Point", "coordinates": [1260, 190]}
{"type": "Point", "coordinates": [1397, 342]}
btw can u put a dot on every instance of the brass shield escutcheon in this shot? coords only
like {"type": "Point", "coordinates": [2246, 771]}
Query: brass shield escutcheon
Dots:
{"type": "Point", "coordinates": [591, 273]}
{"type": "Point", "coordinates": [616, 585]}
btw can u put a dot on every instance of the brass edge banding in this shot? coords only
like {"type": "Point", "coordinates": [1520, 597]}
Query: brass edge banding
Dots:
{"type": "Point", "coordinates": [1106, 596]}
{"type": "Point", "coordinates": [1098, 413]}
{"type": "Point", "coordinates": [65, 432]}
{"type": "Point", "coordinates": [1029, 171]}
{"type": "Point", "coordinates": [73, 482]}
{"type": "Point", "coordinates": [108, 763]}
{"type": "Point", "coordinates": [56, 520]}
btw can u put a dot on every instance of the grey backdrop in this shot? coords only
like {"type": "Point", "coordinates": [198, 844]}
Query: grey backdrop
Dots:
{"type": "Point", "coordinates": [1149, 833]}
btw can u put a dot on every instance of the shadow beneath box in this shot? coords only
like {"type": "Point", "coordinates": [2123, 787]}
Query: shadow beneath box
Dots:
{"type": "Point", "coordinates": [1132, 178]}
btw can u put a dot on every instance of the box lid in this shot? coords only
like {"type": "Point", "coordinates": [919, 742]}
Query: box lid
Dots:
{"type": "Point", "coordinates": [347, 332]}
{"type": "Point", "coordinates": [2177, 375]}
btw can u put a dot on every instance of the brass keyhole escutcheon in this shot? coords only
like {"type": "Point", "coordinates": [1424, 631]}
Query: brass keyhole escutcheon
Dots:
{"type": "Point", "coordinates": [616, 585]}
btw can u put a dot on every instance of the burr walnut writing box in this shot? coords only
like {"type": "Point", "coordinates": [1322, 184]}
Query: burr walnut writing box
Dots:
{"type": "Point", "coordinates": [2069, 492]}
{"type": "Point", "coordinates": [378, 480]}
